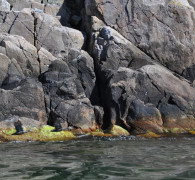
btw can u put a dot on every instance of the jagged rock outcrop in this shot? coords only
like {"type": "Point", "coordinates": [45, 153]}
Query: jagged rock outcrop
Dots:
{"type": "Point", "coordinates": [162, 29]}
{"type": "Point", "coordinates": [137, 92]}
{"type": "Point", "coordinates": [97, 63]}
{"type": "Point", "coordinates": [69, 85]}
{"type": "Point", "coordinates": [42, 30]}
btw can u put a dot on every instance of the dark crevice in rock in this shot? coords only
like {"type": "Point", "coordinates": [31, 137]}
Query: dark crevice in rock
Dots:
{"type": "Point", "coordinates": [38, 59]}
{"type": "Point", "coordinates": [158, 89]}
{"type": "Point", "coordinates": [4, 19]}
{"type": "Point", "coordinates": [16, 16]}
{"type": "Point", "coordinates": [35, 40]}
{"type": "Point", "coordinates": [127, 12]}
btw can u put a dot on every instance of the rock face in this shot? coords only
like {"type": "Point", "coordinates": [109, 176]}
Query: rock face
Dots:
{"type": "Point", "coordinates": [153, 27]}
{"type": "Point", "coordinates": [54, 37]}
{"type": "Point", "coordinates": [24, 53]}
{"type": "Point", "coordinates": [25, 101]}
{"type": "Point", "coordinates": [69, 85]}
{"type": "Point", "coordinates": [98, 63]}
{"type": "Point", "coordinates": [137, 92]}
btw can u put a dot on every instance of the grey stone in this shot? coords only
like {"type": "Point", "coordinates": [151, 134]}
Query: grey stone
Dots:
{"type": "Point", "coordinates": [69, 86]}
{"type": "Point", "coordinates": [4, 5]}
{"type": "Point", "coordinates": [27, 100]}
{"type": "Point", "coordinates": [163, 30]}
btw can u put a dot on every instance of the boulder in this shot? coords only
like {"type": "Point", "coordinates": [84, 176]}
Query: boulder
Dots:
{"type": "Point", "coordinates": [111, 51]}
{"type": "Point", "coordinates": [149, 98]}
{"type": "Point", "coordinates": [19, 59]}
{"type": "Point", "coordinates": [42, 30]}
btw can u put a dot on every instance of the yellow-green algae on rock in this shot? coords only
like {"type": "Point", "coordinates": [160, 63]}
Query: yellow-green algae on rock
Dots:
{"type": "Point", "coordinates": [43, 134]}
{"type": "Point", "coordinates": [99, 133]}
{"type": "Point", "coordinates": [116, 130]}
{"type": "Point", "coordinates": [192, 132]}
{"type": "Point", "coordinates": [150, 135]}
{"type": "Point", "coordinates": [177, 130]}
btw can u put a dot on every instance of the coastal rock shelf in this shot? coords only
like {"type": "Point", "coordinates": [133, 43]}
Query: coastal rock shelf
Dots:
{"type": "Point", "coordinates": [45, 133]}
{"type": "Point", "coordinates": [95, 64]}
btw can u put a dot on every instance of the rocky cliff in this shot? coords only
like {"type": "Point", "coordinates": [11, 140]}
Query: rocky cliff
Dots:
{"type": "Point", "coordinates": [95, 63]}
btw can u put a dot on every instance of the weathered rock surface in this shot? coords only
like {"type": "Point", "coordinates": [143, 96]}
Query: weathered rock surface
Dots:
{"type": "Point", "coordinates": [24, 54]}
{"type": "Point", "coordinates": [18, 23]}
{"type": "Point", "coordinates": [138, 93]}
{"type": "Point", "coordinates": [25, 101]}
{"type": "Point", "coordinates": [4, 5]}
{"type": "Point", "coordinates": [162, 29]}
{"type": "Point", "coordinates": [54, 37]}
{"type": "Point", "coordinates": [45, 59]}
{"type": "Point", "coordinates": [41, 30]}
{"type": "Point", "coordinates": [48, 7]}
{"type": "Point", "coordinates": [69, 85]}
{"type": "Point", "coordinates": [140, 73]}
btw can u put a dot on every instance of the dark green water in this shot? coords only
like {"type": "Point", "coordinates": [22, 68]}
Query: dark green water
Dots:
{"type": "Point", "coordinates": [100, 158]}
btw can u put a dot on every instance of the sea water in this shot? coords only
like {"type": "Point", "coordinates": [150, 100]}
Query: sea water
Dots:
{"type": "Point", "coordinates": [100, 158]}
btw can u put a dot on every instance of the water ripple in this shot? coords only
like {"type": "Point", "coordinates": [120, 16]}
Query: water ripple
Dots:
{"type": "Point", "coordinates": [100, 158]}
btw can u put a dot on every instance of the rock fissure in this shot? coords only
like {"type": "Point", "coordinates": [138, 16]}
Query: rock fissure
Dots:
{"type": "Point", "coordinates": [9, 30]}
